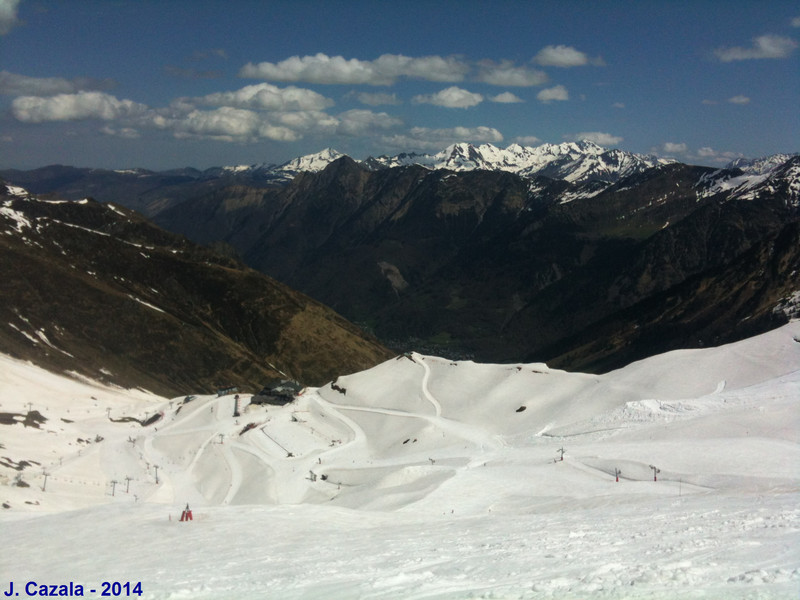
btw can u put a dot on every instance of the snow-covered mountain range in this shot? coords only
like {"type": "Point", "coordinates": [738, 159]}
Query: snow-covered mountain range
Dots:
{"type": "Point", "coordinates": [574, 162]}
{"type": "Point", "coordinates": [571, 161]}
{"type": "Point", "coordinates": [742, 179]}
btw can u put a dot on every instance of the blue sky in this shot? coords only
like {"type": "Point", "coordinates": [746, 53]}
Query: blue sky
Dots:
{"type": "Point", "coordinates": [171, 83]}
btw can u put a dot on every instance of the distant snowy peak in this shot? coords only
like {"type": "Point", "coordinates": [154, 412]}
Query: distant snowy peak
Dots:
{"type": "Point", "coordinates": [751, 179]}
{"type": "Point", "coordinates": [286, 172]}
{"type": "Point", "coordinates": [310, 162]}
{"type": "Point", "coordinates": [571, 161]}
{"type": "Point", "coordinates": [13, 190]}
{"type": "Point", "coordinates": [759, 166]}
{"type": "Point", "coordinates": [575, 162]}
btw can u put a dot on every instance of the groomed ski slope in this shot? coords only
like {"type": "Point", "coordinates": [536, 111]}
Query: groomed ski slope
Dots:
{"type": "Point", "coordinates": [420, 478]}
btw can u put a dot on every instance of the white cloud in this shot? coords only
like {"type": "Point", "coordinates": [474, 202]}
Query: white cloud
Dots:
{"type": "Point", "coordinates": [707, 154]}
{"type": "Point", "coordinates": [558, 92]}
{"type": "Point", "coordinates": [377, 99]}
{"type": "Point", "coordinates": [710, 102]}
{"type": "Point", "coordinates": [319, 68]}
{"type": "Point", "coordinates": [564, 56]}
{"type": "Point", "coordinates": [269, 97]}
{"type": "Point", "coordinates": [505, 73]}
{"type": "Point", "coordinates": [12, 84]}
{"type": "Point", "coordinates": [452, 97]}
{"type": "Point", "coordinates": [506, 98]}
{"type": "Point", "coordinates": [385, 70]}
{"type": "Point", "coordinates": [430, 68]}
{"type": "Point", "coordinates": [765, 46]}
{"type": "Point", "coordinates": [244, 125]}
{"type": "Point", "coordinates": [229, 124]}
{"type": "Point", "coordinates": [8, 15]}
{"type": "Point", "coordinates": [618, 105]}
{"type": "Point", "coordinates": [71, 107]}
{"type": "Point", "coordinates": [305, 121]}
{"type": "Point", "coordinates": [739, 100]}
{"type": "Point", "coordinates": [796, 22]}
{"type": "Point", "coordinates": [674, 148]}
{"type": "Point", "coordinates": [598, 137]}
{"type": "Point", "coordinates": [527, 140]}
{"type": "Point", "coordinates": [426, 139]}
{"type": "Point", "coordinates": [388, 68]}
{"type": "Point", "coordinates": [359, 122]}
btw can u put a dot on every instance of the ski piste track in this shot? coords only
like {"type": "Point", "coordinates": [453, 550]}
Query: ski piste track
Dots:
{"type": "Point", "coordinates": [422, 478]}
{"type": "Point", "coordinates": [349, 436]}
{"type": "Point", "coordinates": [326, 455]}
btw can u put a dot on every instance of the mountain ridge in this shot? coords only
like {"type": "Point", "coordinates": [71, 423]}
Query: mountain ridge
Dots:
{"type": "Point", "coordinates": [97, 290]}
{"type": "Point", "coordinates": [485, 263]}
{"type": "Point", "coordinates": [584, 162]}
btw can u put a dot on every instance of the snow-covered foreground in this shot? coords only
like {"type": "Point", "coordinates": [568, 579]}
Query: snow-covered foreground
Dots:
{"type": "Point", "coordinates": [420, 478]}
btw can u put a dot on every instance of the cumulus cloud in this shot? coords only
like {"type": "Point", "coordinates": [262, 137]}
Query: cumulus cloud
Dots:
{"type": "Point", "coordinates": [319, 68]}
{"type": "Point", "coordinates": [8, 15]}
{"type": "Point", "coordinates": [705, 155]}
{"type": "Point", "coordinates": [430, 68]}
{"type": "Point", "coordinates": [389, 68]}
{"type": "Point", "coordinates": [708, 154]}
{"type": "Point", "coordinates": [426, 139]}
{"type": "Point", "coordinates": [234, 124]}
{"type": "Point", "coordinates": [359, 122]}
{"type": "Point", "coordinates": [598, 137]}
{"type": "Point", "coordinates": [12, 84]}
{"type": "Point", "coordinates": [452, 97]}
{"type": "Point", "coordinates": [229, 124]}
{"type": "Point", "coordinates": [564, 56]}
{"type": "Point", "coordinates": [739, 100]}
{"type": "Point", "coordinates": [765, 46]}
{"type": "Point", "coordinates": [505, 73]}
{"type": "Point", "coordinates": [268, 97]}
{"type": "Point", "coordinates": [527, 140]}
{"type": "Point", "coordinates": [377, 99]}
{"type": "Point", "coordinates": [305, 121]}
{"type": "Point", "coordinates": [674, 148]}
{"type": "Point", "coordinates": [796, 22]}
{"type": "Point", "coordinates": [618, 105]}
{"type": "Point", "coordinates": [558, 92]}
{"type": "Point", "coordinates": [385, 70]}
{"type": "Point", "coordinates": [506, 98]}
{"type": "Point", "coordinates": [71, 107]}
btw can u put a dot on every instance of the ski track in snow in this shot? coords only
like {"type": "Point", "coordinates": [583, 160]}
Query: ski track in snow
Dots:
{"type": "Point", "coordinates": [425, 478]}
{"type": "Point", "coordinates": [436, 406]}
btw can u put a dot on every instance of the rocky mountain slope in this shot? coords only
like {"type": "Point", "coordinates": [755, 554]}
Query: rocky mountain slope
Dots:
{"type": "Point", "coordinates": [492, 265]}
{"type": "Point", "coordinates": [98, 291]}
{"type": "Point", "coordinates": [506, 254]}
{"type": "Point", "coordinates": [150, 192]}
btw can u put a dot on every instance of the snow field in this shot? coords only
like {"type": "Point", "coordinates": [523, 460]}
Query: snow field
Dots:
{"type": "Point", "coordinates": [422, 478]}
